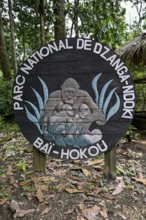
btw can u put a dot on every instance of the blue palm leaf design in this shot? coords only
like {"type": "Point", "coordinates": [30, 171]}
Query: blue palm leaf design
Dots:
{"type": "Point", "coordinates": [35, 109]}
{"type": "Point", "coordinates": [39, 99]}
{"type": "Point", "coordinates": [94, 87]}
{"type": "Point", "coordinates": [107, 101]}
{"type": "Point", "coordinates": [114, 109]}
{"type": "Point", "coordinates": [33, 119]}
{"type": "Point", "coordinates": [103, 102]}
{"type": "Point", "coordinates": [45, 90]}
{"type": "Point", "coordinates": [102, 94]}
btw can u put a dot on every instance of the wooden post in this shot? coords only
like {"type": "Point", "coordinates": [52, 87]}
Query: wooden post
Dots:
{"type": "Point", "coordinates": [110, 164]}
{"type": "Point", "coordinates": [39, 161]}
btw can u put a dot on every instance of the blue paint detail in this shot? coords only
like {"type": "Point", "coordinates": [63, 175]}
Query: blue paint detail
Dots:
{"type": "Point", "coordinates": [103, 102]}
{"type": "Point", "coordinates": [114, 109]}
{"type": "Point", "coordinates": [34, 109]}
{"type": "Point", "coordinates": [94, 87]}
{"type": "Point", "coordinates": [72, 138]}
{"type": "Point", "coordinates": [103, 92]}
{"type": "Point", "coordinates": [39, 99]}
{"type": "Point", "coordinates": [107, 101]}
{"type": "Point", "coordinates": [38, 112]}
{"type": "Point", "coordinates": [33, 119]}
{"type": "Point", "coordinates": [45, 90]}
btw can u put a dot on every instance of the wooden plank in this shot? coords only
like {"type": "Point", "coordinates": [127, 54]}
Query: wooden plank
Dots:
{"type": "Point", "coordinates": [110, 164]}
{"type": "Point", "coordinates": [39, 161]}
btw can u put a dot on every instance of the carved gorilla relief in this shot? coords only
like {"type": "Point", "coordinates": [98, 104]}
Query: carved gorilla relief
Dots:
{"type": "Point", "coordinates": [68, 116]}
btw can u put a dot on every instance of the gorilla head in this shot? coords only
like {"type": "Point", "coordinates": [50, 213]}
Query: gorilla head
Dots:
{"type": "Point", "coordinates": [69, 91]}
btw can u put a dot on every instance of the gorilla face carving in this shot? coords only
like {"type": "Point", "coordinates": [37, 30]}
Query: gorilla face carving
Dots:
{"type": "Point", "coordinates": [68, 95]}
{"type": "Point", "coordinates": [69, 91]}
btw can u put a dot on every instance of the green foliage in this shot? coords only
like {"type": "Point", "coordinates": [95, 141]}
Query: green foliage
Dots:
{"type": "Point", "coordinates": [101, 20]}
{"type": "Point", "coordinates": [8, 126]}
{"type": "Point", "coordinates": [5, 97]}
{"type": "Point", "coordinates": [132, 133]}
{"type": "Point", "coordinates": [22, 165]}
{"type": "Point", "coordinates": [141, 97]}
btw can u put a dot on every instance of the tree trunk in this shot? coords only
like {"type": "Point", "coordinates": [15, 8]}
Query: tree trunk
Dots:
{"type": "Point", "coordinates": [3, 52]}
{"type": "Point", "coordinates": [59, 24]}
{"type": "Point", "coordinates": [76, 3]}
{"type": "Point", "coordinates": [42, 21]}
{"type": "Point", "coordinates": [12, 36]}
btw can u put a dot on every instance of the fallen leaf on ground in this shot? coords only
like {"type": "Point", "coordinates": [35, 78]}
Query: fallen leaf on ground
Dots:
{"type": "Point", "coordinates": [108, 196]}
{"type": "Point", "coordinates": [60, 186]}
{"type": "Point", "coordinates": [86, 172]}
{"type": "Point", "coordinates": [40, 196]}
{"type": "Point", "coordinates": [80, 185]}
{"type": "Point", "coordinates": [60, 172]}
{"type": "Point", "coordinates": [81, 206]}
{"type": "Point", "coordinates": [44, 187]}
{"type": "Point", "coordinates": [140, 180]}
{"type": "Point", "coordinates": [3, 201]}
{"type": "Point", "coordinates": [120, 186]}
{"type": "Point", "coordinates": [14, 206]}
{"type": "Point", "coordinates": [70, 211]}
{"type": "Point", "coordinates": [22, 213]}
{"type": "Point", "coordinates": [51, 196]}
{"type": "Point", "coordinates": [29, 196]}
{"type": "Point", "coordinates": [103, 213]}
{"type": "Point", "coordinates": [91, 213]}
{"type": "Point", "coordinates": [122, 216]}
{"type": "Point", "coordinates": [94, 162]}
{"type": "Point", "coordinates": [70, 190]}
{"type": "Point", "coordinates": [80, 218]}
{"type": "Point", "coordinates": [9, 171]}
{"type": "Point", "coordinates": [43, 179]}
{"type": "Point", "coordinates": [24, 183]}
{"type": "Point", "coordinates": [46, 210]}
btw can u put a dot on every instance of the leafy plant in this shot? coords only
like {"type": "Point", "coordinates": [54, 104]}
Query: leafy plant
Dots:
{"type": "Point", "coordinates": [132, 133]}
{"type": "Point", "coordinates": [22, 165]}
{"type": "Point", "coordinates": [11, 126]}
{"type": "Point", "coordinates": [6, 98]}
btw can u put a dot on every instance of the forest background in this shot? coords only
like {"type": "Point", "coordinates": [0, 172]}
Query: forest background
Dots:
{"type": "Point", "coordinates": [25, 25]}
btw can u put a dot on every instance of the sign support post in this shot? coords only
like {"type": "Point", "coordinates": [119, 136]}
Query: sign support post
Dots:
{"type": "Point", "coordinates": [110, 163]}
{"type": "Point", "coordinates": [39, 161]}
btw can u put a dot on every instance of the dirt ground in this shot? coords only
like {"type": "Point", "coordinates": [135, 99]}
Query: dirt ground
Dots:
{"type": "Point", "coordinates": [71, 190]}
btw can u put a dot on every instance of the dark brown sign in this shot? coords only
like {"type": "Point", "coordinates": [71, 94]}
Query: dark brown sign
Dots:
{"type": "Point", "coordinates": [73, 98]}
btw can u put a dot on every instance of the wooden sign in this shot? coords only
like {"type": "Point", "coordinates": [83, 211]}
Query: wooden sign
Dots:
{"type": "Point", "coordinates": [73, 98]}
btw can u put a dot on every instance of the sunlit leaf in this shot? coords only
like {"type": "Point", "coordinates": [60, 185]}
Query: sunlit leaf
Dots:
{"type": "Point", "coordinates": [3, 201]}
{"type": "Point", "coordinates": [22, 213]}
{"type": "Point", "coordinates": [39, 195]}
{"type": "Point", "coordinates": [141, 180]}
{"type": "Point", "coordinates": [94, 162]}
{"type": "Point", "coordinates": [70, 190]}
{"type": "Point", "coordinates": [86, 172]}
